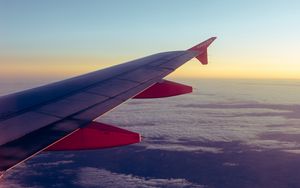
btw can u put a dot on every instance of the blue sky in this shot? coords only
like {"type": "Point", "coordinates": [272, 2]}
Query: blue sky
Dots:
{"type": "Point", "coordinates": [249, 32]}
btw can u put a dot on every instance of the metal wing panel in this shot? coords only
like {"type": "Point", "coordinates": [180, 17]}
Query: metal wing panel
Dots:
{"type": "Point", "coordinates": [179, 60]}
{"type": "Point", "coordinates": [115, 86]}
{"type": "Point", "coordinates": [71, 105]}
{"type": "Point", "coordinates": [173, 55]}
{"type": "Point", "coordinates": [158, 62]}
{"type": "Point", "coordinates": [98, 110]}
{"type": "Point", "coordinates": [141, 75]}
{"type": "Point", "coordinates": [23, 124]}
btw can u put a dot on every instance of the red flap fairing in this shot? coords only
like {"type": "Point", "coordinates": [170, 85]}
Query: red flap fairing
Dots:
{"type": "Point", "coordinates": [96, 136]}
{"type": "Point", "coordinates": [164, 88]}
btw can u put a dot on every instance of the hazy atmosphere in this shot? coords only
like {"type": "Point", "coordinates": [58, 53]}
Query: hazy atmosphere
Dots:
{"type": "Point", "coordinates": [256, 39]}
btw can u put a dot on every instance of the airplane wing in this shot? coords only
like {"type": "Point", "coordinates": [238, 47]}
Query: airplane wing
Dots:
{"type": "Point", "coordinates": [59, 116]}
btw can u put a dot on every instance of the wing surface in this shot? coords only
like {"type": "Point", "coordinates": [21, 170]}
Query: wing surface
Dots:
{"type": "Point", "coordinates": [33, 120]}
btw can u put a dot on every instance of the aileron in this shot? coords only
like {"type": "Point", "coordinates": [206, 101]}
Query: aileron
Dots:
{"type": "Point", "coordinates": [113, 87]}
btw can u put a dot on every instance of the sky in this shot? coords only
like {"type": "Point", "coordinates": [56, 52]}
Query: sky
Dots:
{"type": "Point", "coordinates": [64, 38]}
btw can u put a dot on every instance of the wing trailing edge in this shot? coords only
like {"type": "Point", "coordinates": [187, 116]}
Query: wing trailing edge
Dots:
{"type": "Point", "coordinates": [202, 50]}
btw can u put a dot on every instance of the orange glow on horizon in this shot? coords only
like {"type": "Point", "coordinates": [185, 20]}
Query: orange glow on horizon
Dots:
{"type": "Point", "coordinates": [63, 67]}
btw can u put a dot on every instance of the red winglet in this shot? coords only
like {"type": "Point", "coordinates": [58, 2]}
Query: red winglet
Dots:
{"type": "Point", "coordinates": [96, 136]}
{"type": "Point", "coordinates": [202, 50]}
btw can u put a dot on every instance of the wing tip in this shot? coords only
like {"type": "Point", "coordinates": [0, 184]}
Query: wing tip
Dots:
{"type": "Point", "coordinates": [202, 50]}
{"type": "Point", "coordinates": [203, 44]}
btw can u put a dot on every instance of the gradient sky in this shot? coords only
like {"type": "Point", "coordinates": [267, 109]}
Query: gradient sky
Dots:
{"type": "Point", "coordinates": [63, 38]}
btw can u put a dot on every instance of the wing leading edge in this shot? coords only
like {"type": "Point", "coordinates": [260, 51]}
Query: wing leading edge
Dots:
{"type": "Point", "coordinates": [42, 118]}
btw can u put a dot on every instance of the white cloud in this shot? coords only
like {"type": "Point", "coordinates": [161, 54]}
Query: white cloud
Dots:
{"type": "Point", "coordinates": [51, 164]}
{"type": "Point", "coordinates": [230, 164]}
{"type": "Point", "coordinates": [94, 177]}
{"type": "Point", "coordinates": [228, 122]}
{"type": "Point", "coordinates": [179, 147]}
{"type": "Point", "coordinates": [294, 151]}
